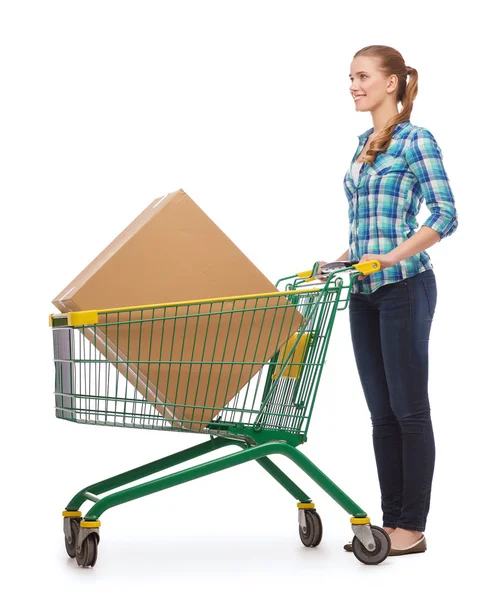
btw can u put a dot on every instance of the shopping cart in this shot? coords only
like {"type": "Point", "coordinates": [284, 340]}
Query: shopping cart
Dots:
{"type": "Point", "coordinates": [160, 366]}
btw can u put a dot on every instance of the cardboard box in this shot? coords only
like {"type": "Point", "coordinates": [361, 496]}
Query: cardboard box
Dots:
{"type": "Point", "coordinates": [173, 252]}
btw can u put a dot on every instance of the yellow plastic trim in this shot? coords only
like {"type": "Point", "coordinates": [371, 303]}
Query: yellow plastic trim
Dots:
{"type": "Point", "coordinates": [90, 524]}
{"type": "Point", "coordinates": [90, 317]}
{"type": "Point", "coordinates": [367, 267]}
{"type": "Point", "coordinates": [305, 504]}
{"type": "Point", "coordinates": [293, 372]}
{"type": "Point", "coordinates": [72, 513]}
{"type": "Point", "coordinates": [306, 275]}
{"type": "Point", "coordinates": [360, 521]}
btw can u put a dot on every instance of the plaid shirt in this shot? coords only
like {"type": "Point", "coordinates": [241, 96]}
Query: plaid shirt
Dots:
{"type": "Point", "coordinates": [384, 204]}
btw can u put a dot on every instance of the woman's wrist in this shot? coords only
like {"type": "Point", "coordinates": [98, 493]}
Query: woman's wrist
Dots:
{"type": "Point", "coordinates": [393, 257]}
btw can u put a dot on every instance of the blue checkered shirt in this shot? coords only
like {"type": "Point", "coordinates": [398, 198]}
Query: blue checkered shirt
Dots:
{"type": "Point", "coordinates": [384, 204]}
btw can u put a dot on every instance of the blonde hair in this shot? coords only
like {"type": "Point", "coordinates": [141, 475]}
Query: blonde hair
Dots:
{"type": "Point", "coordinates": [391, 62]}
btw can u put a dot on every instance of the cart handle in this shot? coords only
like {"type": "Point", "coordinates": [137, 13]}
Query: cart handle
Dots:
{"type": "Point", "coordinates": [367, 267]}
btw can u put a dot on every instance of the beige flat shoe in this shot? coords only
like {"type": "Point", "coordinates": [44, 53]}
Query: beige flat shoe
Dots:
{"type": "Point", "coordinates": [419, 546]}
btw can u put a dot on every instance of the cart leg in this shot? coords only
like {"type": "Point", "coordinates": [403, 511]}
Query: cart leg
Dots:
{"type": "Point", "coordinates": [90, 492]}
{"type": "Point", "coordinates": [319, 477]}
{"type": "Point", "coordinates": [283, 479]}
{"type": "Point", "coordinates": [309, 536]}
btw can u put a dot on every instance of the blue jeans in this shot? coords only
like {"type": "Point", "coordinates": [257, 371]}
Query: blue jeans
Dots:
{"type": "Point", "coordinates": [390, 331]}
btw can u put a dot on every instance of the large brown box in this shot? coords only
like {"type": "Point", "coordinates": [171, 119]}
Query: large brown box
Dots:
{"type": "Point", "coordinates": [173, 252]}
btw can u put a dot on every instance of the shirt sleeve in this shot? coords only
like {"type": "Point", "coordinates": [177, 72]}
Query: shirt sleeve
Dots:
{"type": "Point", "coordinates": [424, 158]}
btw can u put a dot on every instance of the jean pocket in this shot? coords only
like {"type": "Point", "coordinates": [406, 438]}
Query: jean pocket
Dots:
{"type": "Point", "coordinates": [430, 288]}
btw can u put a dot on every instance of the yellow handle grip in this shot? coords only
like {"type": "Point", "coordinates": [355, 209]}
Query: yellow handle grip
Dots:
{"type": "Point", "coordinates": [367, 267]}
{"type": "Point", "coordinates": [306, 275]}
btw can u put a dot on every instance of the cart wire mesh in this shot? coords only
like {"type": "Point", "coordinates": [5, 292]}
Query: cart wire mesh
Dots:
{"type": "Point", "coordinates": [212, 366]}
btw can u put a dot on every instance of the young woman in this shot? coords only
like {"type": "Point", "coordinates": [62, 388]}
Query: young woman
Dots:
{"type": "Point", "coordinates": [396, 166]}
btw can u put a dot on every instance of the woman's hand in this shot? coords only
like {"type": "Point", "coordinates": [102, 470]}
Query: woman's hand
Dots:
{"type": "Point", "coordinates": [385, 260]}
{"type": "Point", "coordinates": [318, 272]}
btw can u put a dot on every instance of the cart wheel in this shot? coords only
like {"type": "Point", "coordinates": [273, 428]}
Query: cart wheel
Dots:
{"type": "Point", "coordinates": [383, 546]}
{"type": "Point", "coordinates": [314, 529]}
{"type": "Point", "coordinates": [70, 546]}
{"type": "Point", "coordinates": [88, 552]}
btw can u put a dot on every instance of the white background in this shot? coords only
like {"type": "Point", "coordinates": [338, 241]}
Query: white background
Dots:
{"type": "Point", "coordinates": [246, 107]}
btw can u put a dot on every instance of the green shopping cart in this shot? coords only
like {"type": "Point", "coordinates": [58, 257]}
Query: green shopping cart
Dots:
{"type": "Point", "coordinates": [242, 370]}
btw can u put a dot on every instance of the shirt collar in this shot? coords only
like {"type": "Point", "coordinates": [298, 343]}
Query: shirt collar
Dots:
{"type": "Point", "coordinates": [397, 129]}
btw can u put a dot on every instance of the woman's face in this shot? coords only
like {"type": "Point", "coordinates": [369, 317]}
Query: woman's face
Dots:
{"type": "Point", "coordinates": [368, 84]}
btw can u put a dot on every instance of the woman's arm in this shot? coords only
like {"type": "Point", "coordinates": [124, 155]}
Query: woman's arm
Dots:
{"type": "Point", "coordinates": [422, 239]}
{"type": "Point", "coordinates": [424, 158]}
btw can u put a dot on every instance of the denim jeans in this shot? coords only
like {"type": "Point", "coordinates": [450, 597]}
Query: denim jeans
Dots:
{"type": "Point", "coordinates": [390, 332]}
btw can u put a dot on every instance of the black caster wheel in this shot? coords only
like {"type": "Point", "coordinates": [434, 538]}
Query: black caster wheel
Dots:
{"type": "Point", "coordinates": [374, 557]}
{"type": "Point", "coordinates": [88, 552]}
{"type": "Point", "coordinates": [314, 529]}
{"type": "Point", "coordinates": [71, 546]}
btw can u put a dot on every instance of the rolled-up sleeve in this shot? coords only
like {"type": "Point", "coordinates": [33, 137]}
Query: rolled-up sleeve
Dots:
{"type": "Point", "coordinates": [424, 158]}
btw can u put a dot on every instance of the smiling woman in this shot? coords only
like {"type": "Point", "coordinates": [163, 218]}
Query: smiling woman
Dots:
{"type": "Point", "coordinates": [396, 166]}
